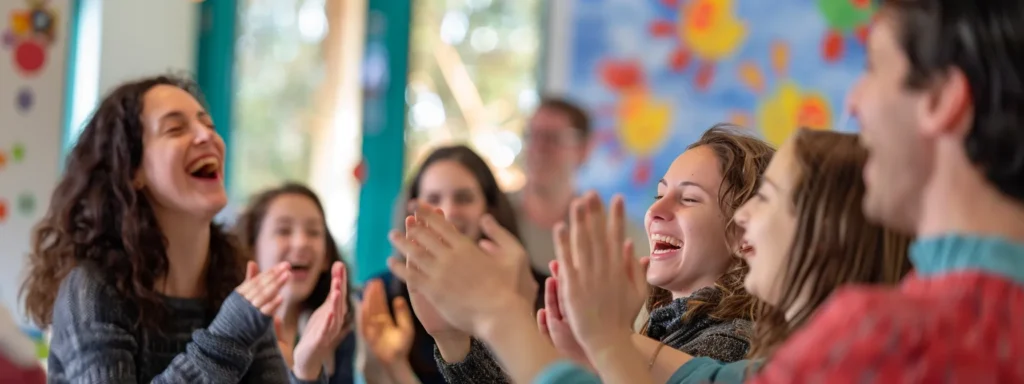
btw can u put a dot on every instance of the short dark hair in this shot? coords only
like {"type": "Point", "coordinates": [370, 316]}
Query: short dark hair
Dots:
{"type": "Point", "coordinates": [577, 115]}
{"type": "Point", "coordinates": [984, 40]}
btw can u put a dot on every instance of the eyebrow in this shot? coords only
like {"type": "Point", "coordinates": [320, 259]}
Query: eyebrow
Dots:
{"type": "Point", "coordinates": [768, 181]}
{"type": "Point", "coordinates": [181, 115]}
{"type": "Point", "coordinates": [684, 184]}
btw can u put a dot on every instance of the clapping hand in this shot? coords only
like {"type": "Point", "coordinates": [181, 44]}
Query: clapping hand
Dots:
{"type": "Point", "coordinates": [263, 290]}
{"type": "Point", "coordinates": [325, 329]}
{"type": "Point", "coordinates": [441, 260]}
{"type": "Point", "coordinates": [389, 338]}
{"type": "Point", "coordinates": [598, 275]}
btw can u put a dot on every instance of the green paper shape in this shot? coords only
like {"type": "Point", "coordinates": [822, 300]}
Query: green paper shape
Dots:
{"type": "Point", "coordinates": [26, 204]}
{"type": "Point", "coordinates": [18, 153]}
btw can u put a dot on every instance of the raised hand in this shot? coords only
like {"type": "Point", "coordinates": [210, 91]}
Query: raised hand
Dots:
{"type": "Point", "coordinates": [552, 324]}
{"type": "Point", "coordinates": [325, 329]}
{"type": "Point", "coordinates": [598, 274]}
{"type": "Point", "coordinates": [263, 290]}
{"type": "Point", "coordinates": [388, 338]}
{"type": "Point", "coordinates": [441, 260]}
{"type": "Point", "coordinates": [428, 316]}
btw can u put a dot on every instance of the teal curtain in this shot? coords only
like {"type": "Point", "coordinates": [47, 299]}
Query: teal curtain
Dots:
{"type": "Point", "coordinates": [215, 66]}
{"type": "Point", "coordinates": [385, 73]}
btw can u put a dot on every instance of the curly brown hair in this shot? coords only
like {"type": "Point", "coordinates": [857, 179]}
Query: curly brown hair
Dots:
{"type": "Point", "coordinates": [251, 221]}
{"type": "Point", "coordinates": [834, 244]}
{"type": "Point", "coordinates": [742, 159]}
{"type": "Point", "coordinates": [95, 215]}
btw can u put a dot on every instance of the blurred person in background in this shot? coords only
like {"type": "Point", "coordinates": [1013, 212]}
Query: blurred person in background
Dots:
{"type": "Point", "coordinates": [287, 224]}
{"type": "Point", "coordinates": [557, 142]}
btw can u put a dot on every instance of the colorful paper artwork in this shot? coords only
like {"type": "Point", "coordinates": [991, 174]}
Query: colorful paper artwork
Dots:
{"type": "Point", "coordinates": [655, 74]}
{"type": "Point", "coordinates": [29, 34]}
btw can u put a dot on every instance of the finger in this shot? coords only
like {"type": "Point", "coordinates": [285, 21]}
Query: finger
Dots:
{"type": "Point", "coordinates": [270, 308]}
{"type": "Point", "coordinates": [403, 316]}
{"type": "Point", "coordinates": [563, 246]}
{"type": "Point", "coordinates": [414, 254]}
{"type": "Point", "coordinates": [579, 238]}
{"type": "Point", "coordinates": [271, 290]}
{"type": "Point", "coordinates": [616, 231]}
{"type": "Point", "coordinates": [434, 219]}
{"type": "Point", "coordinates": [553, 267]}
{"type": "Point", "coordinates": [398, 267]}
{"type": "Point", "coordinates": [251, 270]}
{"type": "Point", "coordinates": [498, 234]}
{"type": "Point", "coordinates": [542, 323]}
{"type": "Point", "coordinates": [551, 298]}
{"type": "Point", "coordinates": [428, 238]}
{"type": "Point", "coordinates": [490, 247]}
{"type": "Point", "coordinates": [597, 235]}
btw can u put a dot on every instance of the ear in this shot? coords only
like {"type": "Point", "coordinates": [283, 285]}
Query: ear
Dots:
{"type": "Point", "coordinates": [948, 105]}
{"type": "Point", "coordinates": [139, 181]}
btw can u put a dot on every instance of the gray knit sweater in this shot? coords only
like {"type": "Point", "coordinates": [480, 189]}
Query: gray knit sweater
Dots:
{"type": "Point", "coordinates": [94, 340]}
{"type": "Point", "coordinates": [723, 340]}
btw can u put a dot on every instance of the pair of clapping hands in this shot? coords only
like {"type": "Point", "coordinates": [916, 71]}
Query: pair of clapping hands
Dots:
{"type": "Point", "coordinates": [591, 301]}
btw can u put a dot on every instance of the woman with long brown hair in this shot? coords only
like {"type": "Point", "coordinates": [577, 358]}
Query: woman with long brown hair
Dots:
{"type": "Point", "coordinates": [129, 271]}
{"type": "Point", "coordinates": [808, 237]}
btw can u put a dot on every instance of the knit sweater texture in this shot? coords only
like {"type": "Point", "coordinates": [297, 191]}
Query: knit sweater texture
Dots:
{"type": "Point", "coordinates": [95, 340]}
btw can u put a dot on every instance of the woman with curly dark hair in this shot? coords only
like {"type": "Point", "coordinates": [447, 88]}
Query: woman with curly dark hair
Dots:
{"type": "Point", "coordinates": [128, 270]}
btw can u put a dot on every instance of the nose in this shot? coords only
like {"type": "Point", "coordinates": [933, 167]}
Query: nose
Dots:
{"type": "Point", "coordinates": [741, 215]}
{"type": "Point", "coordinates": [663, 209]}
{"type": "Point", "coordinates": [300, 240]}
{"type": "Point", "coordinates": [203, 133]}
{"type": "Point", "coordinates": [852, 97]}
{"type": "Point", "coordinates": [448, 206]}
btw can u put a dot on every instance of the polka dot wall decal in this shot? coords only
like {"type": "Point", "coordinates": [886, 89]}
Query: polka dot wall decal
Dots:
{"type": "Point", "coordinates": [26, 204]}
{"type": "Point", "coordinates": [18, 153]}
{"type": "Point", "coordinates": [3, 210]}
{"type": "Point", "coordinates": [8, 39]}
{"type": "Point", "coordinates": [25, 99]}
{"type": "Point", "coordinates": [29, 57]}
{"type": "Point", "coordinates": [3, 159]}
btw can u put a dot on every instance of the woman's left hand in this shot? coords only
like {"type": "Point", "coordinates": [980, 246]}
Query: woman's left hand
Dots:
{"type": "Point", "coordinates": [325, 329]}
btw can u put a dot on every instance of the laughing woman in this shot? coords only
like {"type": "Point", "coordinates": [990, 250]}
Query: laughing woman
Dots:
{"type": "Point", "coordinates": [287, 224]}
{"type": "Point", "coordinates": [128, 270]}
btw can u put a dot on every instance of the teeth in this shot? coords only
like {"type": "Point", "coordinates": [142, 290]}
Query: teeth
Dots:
{"type": "Point", "coordinates": [211, 162]}
{"type": "Point", "coordinates": [666, 239]}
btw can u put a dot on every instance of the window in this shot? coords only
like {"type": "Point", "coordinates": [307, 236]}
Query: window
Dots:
{"type": "Point", "coordinates": [296, 103]}
{"type": "Point", "coordinates": [473, 78]}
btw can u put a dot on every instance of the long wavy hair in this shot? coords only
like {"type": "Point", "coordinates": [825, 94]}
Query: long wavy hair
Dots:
{"type": "Point", "coordinates": [834, 244]}
{"type": "Point", "coordinates": [251, 222]}
{"type": "Point", "coordinates": [742, 160]}
{"type": "Point", "coordinates": [95, 215]}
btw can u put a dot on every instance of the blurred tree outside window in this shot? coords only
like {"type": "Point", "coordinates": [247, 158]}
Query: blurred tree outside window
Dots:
{"type": "Point", "coordinates": [296, 103]}
{"type": "Point", "coordinates": [473, 79]}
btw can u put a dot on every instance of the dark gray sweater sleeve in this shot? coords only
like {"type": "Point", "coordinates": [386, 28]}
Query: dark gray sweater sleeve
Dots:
{"type": "Point", "coordinates": [92, 341]}
{"type": "Point", "coordinates": [478, 367]}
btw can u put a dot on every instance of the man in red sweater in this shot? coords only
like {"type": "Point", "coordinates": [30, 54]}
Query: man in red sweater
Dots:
{"type": "Point", "coordinates": [941, 109]}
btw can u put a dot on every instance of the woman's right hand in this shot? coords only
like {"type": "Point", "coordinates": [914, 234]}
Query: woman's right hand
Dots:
{"type": "Point", "coordinates": [263, 290]}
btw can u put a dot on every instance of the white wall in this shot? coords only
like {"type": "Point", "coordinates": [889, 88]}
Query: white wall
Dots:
{"type": "Point", "coordinates": [31, 112]}
{"type": "Point", "coordinates": [140, 38]}
{"type": "Point", "coordinates": [122, 40]}
{"type": "Point", "coordinates": [118, 40]}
